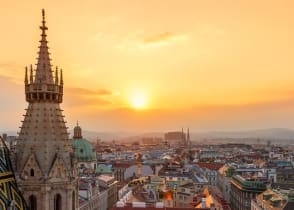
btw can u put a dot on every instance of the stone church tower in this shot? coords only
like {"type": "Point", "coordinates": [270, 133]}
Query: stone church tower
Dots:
{"type": "Point", "coordinates": [45, 162]}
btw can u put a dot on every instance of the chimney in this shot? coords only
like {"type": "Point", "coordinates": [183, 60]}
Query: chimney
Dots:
{"type": "Point", "coordinates": [203, 203]}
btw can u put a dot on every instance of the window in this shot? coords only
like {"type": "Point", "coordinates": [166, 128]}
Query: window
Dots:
{"type": "Point", "coordinates": [32, 202]}
{"type": "Point", "coordinates": [32, 172]}
{"type": "Point", "coordinates": [57, 202]}
{"type": "Point", "coordinates": [73, 200]}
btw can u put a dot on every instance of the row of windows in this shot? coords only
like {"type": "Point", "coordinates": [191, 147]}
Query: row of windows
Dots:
{"type": "Point", "coordinates": [57, 202]}
{"type": "Point", "coordinates": [44, 96]}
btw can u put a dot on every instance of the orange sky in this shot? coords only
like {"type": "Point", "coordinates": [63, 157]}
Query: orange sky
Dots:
{"type": "Point", "coordinates": [203, 64]}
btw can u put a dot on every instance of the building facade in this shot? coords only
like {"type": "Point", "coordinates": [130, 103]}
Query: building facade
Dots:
{"type": "Point", "coordinates": [109, 183]}
{"type": "Point", "coordinates": [269, 200]}
{"type": "Point", "coordinates": [224, 181]}
{"type": "Point", "coordinates": [91, 197]}
{"type": "Point", "coordinates": [243, 191]}
{"type": "Point", "coordinates": [46, 167]}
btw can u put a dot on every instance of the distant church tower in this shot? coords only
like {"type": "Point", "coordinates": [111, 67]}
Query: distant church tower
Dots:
{"type": "Point", "coordinates": [45, 162]}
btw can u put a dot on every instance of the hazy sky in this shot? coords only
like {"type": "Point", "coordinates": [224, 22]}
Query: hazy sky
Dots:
{"type": "Point", "coordinates": [198, 63]}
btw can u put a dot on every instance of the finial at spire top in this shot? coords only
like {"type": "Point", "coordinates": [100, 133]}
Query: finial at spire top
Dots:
{"type": "Point", "coordinates": [43, 27]}
{"type": "Point", "coordinates": [43, 13]}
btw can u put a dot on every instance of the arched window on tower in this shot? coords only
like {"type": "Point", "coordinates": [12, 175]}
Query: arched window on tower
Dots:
{"type": "Point", "coordinates": [73, 200]}
{"type": "Point", "coordinates": [57, 202]}
{"type": "Point", "coordinates": [32, 172]}
{"type": "Point", "coordinates": [32, 202]}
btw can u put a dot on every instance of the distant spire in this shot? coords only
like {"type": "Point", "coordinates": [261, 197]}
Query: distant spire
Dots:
{"type": "Point", "coordinates": [26, 76]}
{"type": "Point", "coordinates": [183, 136]}
{"type": "Point", "coordinates": [189, 139]}
{"type": "Point", "coordinates": [56, 76]}
{"type": "Point", "coordinates": [43, 71]}
{"type": "Point", "coordinates": [77, 123]}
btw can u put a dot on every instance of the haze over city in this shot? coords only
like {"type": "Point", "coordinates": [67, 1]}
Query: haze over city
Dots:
{"type": "Point", "coordinates": [156, 65]}
{"type": "Point", "coordinates": [150, 105]}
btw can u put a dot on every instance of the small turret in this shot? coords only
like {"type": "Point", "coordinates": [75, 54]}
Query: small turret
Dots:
{"type": "Point", "coordinates": [26, 76]}
{"type": "Point", "coordinates": [31, 75]}
{"type": "Point", "coordinates": [56, 76]}
{"type": "Point", "coordinates": [77, 132]}
{"type": "Point", "coordinates": [61, 78]}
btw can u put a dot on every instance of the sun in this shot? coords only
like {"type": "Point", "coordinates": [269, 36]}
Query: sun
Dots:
{"type": "Point", "coordinates": [139, 100]}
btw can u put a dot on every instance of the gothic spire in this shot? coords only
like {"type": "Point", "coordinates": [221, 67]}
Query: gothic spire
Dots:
{"type": "Point", "coordinates": [43, 71]}
{"type": "Point", "coordinates": [183, 136]}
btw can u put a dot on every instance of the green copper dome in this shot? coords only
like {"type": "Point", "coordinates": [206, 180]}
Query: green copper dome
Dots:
{"type": "Point", "coordinates": [84, 150]}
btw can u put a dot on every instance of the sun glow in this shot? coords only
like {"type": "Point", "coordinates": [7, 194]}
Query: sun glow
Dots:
{"type": "Point", "coordinates": [139, 100]}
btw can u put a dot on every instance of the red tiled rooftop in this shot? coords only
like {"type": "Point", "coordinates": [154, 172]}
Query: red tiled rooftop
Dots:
{"type": "Point", "coordinates": [122, 165]}
{"type": "Point", "coordinates": [211, 166]}
{"type": "Point", "coordinates": [154, 208]}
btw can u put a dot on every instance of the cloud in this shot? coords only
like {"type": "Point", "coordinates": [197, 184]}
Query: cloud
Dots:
{"type": "Point", "coordinates": [166, 36]}
{"type": "Point", "coordinates": [136, 41]}
{"type": "Point", "coordinates": [85, 98]}
{"type": "Point", "coordinates": [88, 92]}
{"type": "Point", "coordinates": [12, 71]}
{"type": "Point", "coordinates": [163, 39]}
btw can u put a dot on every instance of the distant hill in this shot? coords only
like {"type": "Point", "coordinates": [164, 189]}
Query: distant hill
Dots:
{"type": "Point", "coordinates": [273, 134]}
{"type": "Point", "coordinates": [270, 134]}
{"type": "Point", "coordinates": [105, 136]}
{"type": "Point", "coordinates": [9, 133]}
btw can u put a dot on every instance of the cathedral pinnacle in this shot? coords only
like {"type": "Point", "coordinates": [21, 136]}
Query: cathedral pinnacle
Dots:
{"type": "Point", "coordinates": [43, 71]}
{"type": "Point", "coordinates": [61, 77]}
{"type": "Point", "coordinates": [45, 164]}
{"type": "Point", "coordinates": [31, 74]}
{"type": "Point", "coordinates": [43, 85]}
{"type": "Point", "coordinates": [56, 76]}
{"type": "Point", "coordinates": [26, 76]}
{"type": "Point", "coordinates": [43, 27]}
